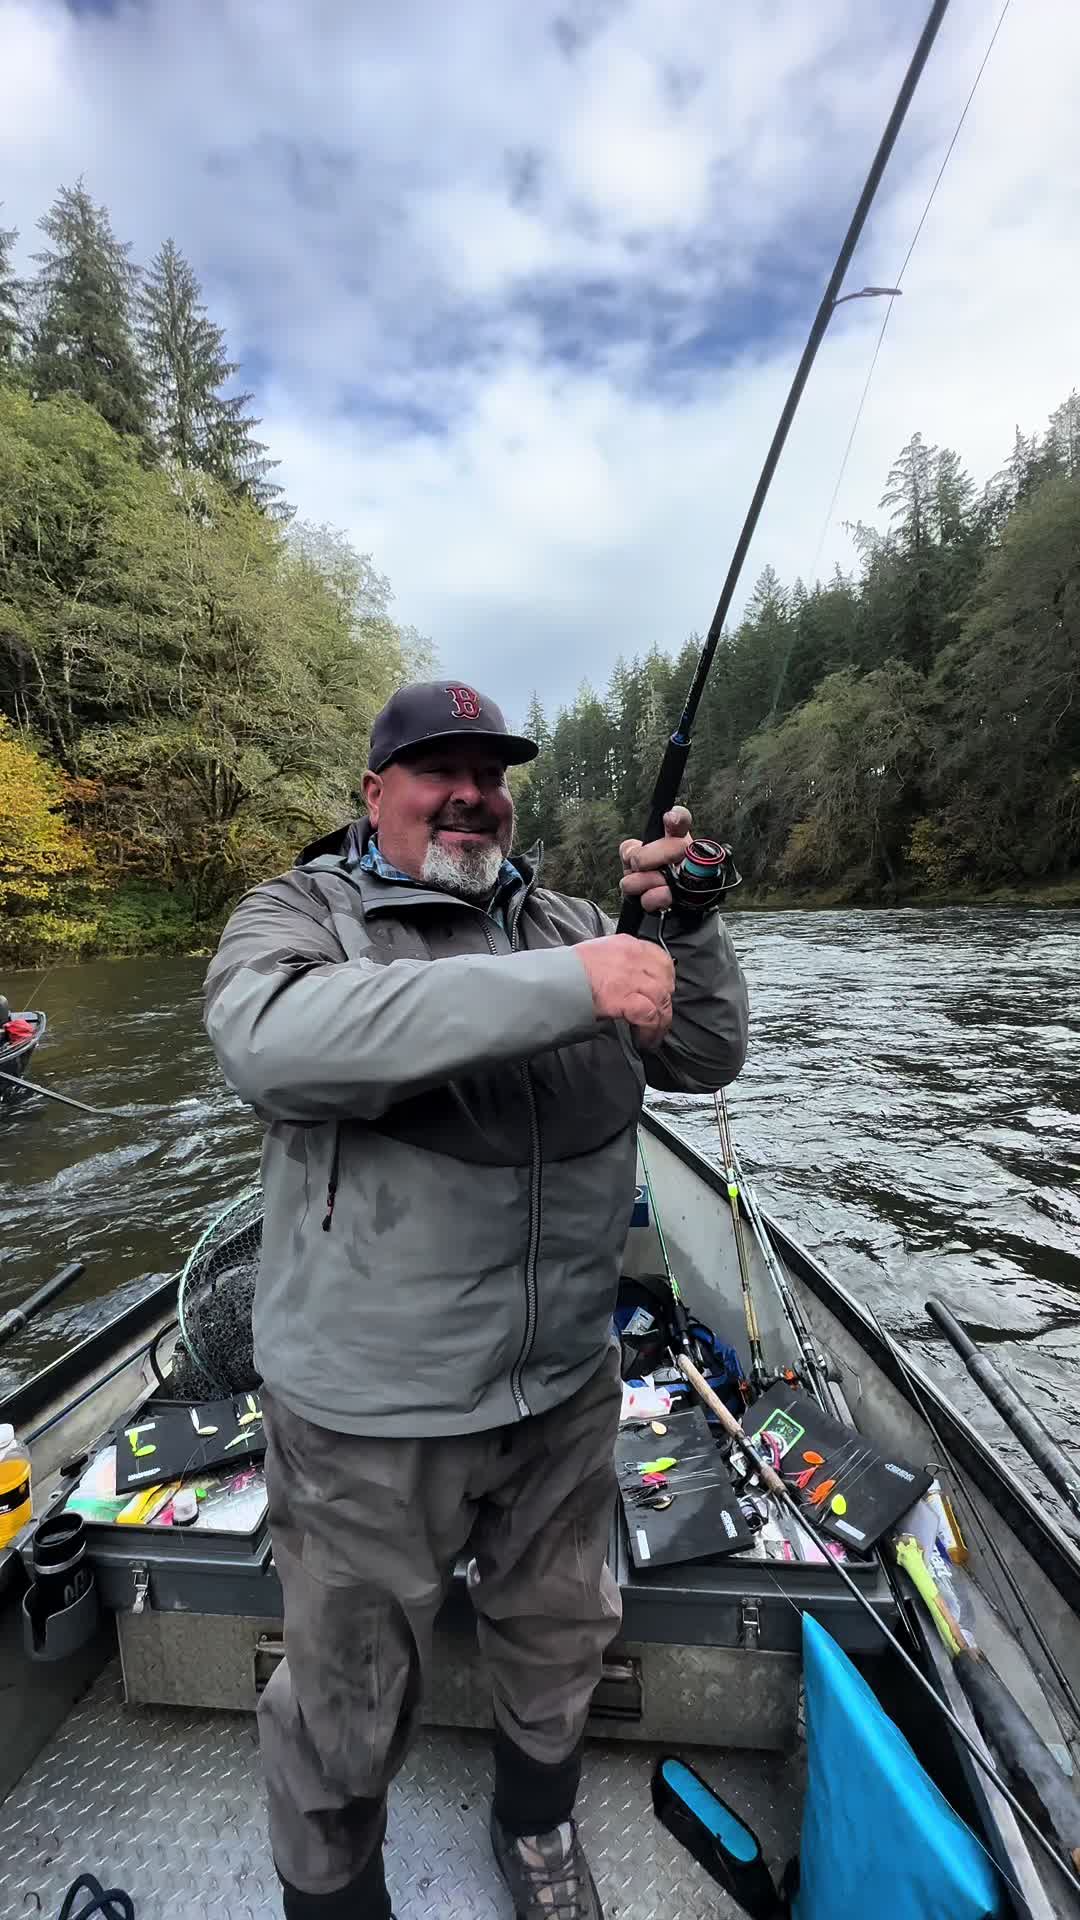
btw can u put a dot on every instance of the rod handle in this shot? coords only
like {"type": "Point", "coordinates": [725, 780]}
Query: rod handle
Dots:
{"type": "Point", "coordinates": [665, 794]}
{"type": "Point", "coordinates": [769, 1476]}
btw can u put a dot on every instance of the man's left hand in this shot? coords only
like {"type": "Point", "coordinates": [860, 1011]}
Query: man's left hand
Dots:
{"type": "Point", "coordinates": [643, 877]}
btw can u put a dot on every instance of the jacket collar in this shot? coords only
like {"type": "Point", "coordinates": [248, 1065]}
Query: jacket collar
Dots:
{"type": "Point", "coordinates": [327, 855]}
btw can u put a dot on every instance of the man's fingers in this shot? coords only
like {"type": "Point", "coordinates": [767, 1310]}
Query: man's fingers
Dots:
{"type": "Point", "coordinates": [658, 853]}
{"type": "Point", "coordinates": [650, 1018]}
{"type": "Point", "coordinates": [654, 893]}
{"type": "Point", "coordinates": [657, 899]}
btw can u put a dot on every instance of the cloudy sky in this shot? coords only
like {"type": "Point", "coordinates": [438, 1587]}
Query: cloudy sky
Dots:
{"type": "Point", "coordinates": [520, 283]}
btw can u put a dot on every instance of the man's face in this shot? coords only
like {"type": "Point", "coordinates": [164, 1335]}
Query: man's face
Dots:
{"type": "Point", "coordinates": [445, 816]}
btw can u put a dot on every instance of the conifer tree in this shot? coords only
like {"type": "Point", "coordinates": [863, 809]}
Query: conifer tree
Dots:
{"type": "Point", "coordinates": [83, 340]}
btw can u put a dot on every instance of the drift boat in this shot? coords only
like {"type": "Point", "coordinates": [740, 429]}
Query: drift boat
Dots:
{"type": "Point", "coordinates": [134, 1754]}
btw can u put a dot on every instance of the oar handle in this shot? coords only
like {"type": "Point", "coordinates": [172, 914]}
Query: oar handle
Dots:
{"type": "Point", "coordinates": [14, 1322]}
{"type": "Point", "coordinates": [953, 1331]}
{"type": "Point", "coordinates": [1028, 1428]}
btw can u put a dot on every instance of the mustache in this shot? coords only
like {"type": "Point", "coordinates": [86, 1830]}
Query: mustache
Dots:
{"type": "Point", "coordinates": [460, 821]}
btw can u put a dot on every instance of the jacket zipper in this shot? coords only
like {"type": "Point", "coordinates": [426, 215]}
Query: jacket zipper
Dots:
{"type": "Point", "coordinates": [532, 1250]}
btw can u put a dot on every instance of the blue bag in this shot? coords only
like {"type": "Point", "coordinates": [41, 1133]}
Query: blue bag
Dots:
{"type": "Point", "coordinates": [877, 1836]}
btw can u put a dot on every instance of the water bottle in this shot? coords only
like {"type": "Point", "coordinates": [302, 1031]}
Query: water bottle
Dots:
{"type": "Point", "coordinates": [14, 1485]}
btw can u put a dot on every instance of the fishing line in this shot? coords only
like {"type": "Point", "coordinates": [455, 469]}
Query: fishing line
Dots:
{"type": "Point", "coordinates": [888, 316]}
{"type": "Point", "coordinates": [677, 750]}
{"type": "Point", "coordinates": [972, 1515]}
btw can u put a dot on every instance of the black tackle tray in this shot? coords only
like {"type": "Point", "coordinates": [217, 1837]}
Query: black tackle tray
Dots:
{"type": "Point", "coordinates": [208, 1567]}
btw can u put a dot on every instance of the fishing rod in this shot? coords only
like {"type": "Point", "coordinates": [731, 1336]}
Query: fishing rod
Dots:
{"type": "Point", "coordinates": [677, 750]}
{"type": "Point", "coordinates": [973, 1519]}
{"type": "Point", "coordinates": [1041, 1446]}
{"type": "Point", "coordinates": [685, 1344]}
{"type": "Point", "coordinates": [812, 1361]}
{"type": "Point", "coordinates": [758, 1370]}
{"type": "Point", "coordinates": [775, 1486]}
{"type": "Point", "coordinates": [1000, 1717]}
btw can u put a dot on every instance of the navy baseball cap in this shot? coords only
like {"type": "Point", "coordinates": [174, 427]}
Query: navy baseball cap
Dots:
{"type": "Point", "coordinates": [432, 711]}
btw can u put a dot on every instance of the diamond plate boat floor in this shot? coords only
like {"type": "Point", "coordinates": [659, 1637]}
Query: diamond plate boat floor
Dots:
{"type": "Point", "coordinates": [167, 1803]}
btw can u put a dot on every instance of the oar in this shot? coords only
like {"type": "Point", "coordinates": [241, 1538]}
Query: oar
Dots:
{"type": "Point", "coordinates": [14, 1322]}
{"type": "Point", "coordinates": [32, 1086]}
{"type": "Point", "coordinates": [1026, 1425]}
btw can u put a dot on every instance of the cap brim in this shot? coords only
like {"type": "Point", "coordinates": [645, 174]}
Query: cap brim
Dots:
{"type": "Point", "coordinates": [512, 748]}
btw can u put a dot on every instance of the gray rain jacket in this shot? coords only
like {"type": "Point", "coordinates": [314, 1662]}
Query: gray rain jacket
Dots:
{"type": "Point", "coordinates": [449, 1159]}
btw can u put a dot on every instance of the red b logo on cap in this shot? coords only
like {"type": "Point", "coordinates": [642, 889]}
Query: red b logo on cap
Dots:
{"type": "Point", "coordinates": [465, 703]}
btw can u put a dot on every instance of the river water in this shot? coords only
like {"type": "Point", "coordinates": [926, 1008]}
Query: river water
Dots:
{"type": "Point", "coordinates": [910, 1109]}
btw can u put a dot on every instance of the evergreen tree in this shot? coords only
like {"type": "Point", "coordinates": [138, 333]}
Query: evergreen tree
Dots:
{"type": "Point", "coordinates": [538, 800]}
{"type": "Point", "coordinates": [83, 341]}
{"type": "Point", "coordinates": [1061, 447]}
{"type": "Point", "coordinates": [195, 423]}
{"type": "Point", "coordinates": [11, 298]}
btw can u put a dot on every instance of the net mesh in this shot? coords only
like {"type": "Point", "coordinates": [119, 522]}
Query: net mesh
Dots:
{"type": "Point", "coordinates": [214, 1354]}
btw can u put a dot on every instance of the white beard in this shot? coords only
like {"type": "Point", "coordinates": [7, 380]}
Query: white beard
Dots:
{"type": "Point", "coordinates": [473, 872]}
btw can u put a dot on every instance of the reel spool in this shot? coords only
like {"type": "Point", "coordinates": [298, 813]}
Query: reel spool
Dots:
{"type": "Point", "coordinates": [704, 874]}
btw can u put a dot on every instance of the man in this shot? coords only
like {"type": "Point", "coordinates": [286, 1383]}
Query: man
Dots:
{"type": "Point", "coordinates": [450, 1062]}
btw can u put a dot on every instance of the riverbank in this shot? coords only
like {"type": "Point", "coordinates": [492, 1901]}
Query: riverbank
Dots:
{"type": "Point", "coordinates": [142, 921]}
{"type": "Point", "coordinates": [1056, 894]}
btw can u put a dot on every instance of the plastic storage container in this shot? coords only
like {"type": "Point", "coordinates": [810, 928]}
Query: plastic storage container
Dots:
{"type": "Point", "coordinates": [14, 1485]}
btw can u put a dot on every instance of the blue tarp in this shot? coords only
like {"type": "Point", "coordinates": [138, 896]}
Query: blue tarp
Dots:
{"type": "Point", "coordinates": [877, 1836]}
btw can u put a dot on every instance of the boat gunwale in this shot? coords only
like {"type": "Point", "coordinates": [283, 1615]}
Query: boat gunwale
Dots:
{"type": "Point", "coordinates": [1050, 1548]}
{"type": "Point", "coordinates": [73, 1368]}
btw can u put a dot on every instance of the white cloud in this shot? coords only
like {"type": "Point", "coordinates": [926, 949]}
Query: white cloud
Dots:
{"type": "Point", "coordinates": [475, 259]}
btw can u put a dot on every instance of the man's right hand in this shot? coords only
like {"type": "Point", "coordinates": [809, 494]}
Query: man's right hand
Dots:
{"type": "Point", "coordinates": [631, 980]}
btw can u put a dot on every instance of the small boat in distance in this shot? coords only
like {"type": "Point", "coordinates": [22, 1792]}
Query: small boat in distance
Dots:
{"type": "Point", "coordinates": [17, 1049]}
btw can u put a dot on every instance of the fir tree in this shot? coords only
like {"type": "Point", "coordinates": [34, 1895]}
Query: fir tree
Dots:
{"type": "Point", "coordinates": [196, 424]}
{"type": "Point", "coordinates": [11, 298]}
{"type": "Point", "coordinates": [83, 341]}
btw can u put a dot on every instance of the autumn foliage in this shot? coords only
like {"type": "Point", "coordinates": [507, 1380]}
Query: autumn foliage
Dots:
{"type": "Point", "coordinates": [41, 855]}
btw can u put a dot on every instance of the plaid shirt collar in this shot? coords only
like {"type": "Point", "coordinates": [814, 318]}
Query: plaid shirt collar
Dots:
{"type": "Point", "coordinates": [373, 861]}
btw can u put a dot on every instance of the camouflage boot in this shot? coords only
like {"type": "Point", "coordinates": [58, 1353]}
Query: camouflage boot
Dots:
{"type": "Point", "coordinates": [547, 1874]}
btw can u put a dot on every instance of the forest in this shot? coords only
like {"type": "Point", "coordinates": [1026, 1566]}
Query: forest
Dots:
{"type": "Point", "coordinates": [187, 667]}
{"type": "Point", "coordinates": [910, 732]}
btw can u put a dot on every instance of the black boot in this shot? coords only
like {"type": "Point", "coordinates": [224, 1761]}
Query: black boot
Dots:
{"type": "Point", "coordinates": [365, 1898]}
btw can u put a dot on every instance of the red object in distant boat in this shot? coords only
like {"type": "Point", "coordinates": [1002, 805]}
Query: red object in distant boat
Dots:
{"type": "Point", "coordinates": [17, 1029]}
